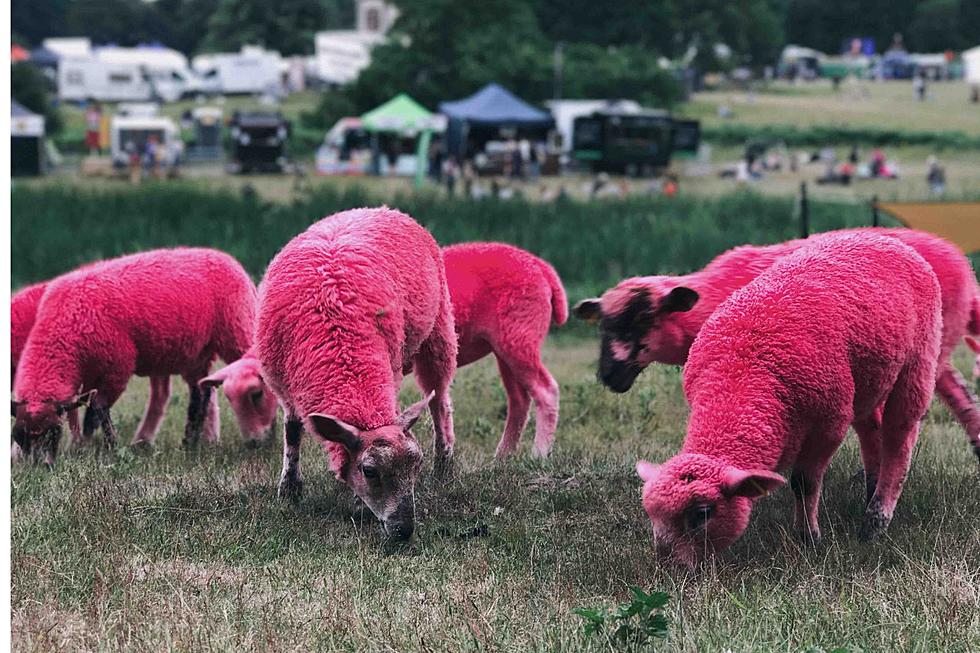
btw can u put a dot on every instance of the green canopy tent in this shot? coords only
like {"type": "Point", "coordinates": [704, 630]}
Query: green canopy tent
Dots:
{"type": "Point", "coordinates": [403, 116]}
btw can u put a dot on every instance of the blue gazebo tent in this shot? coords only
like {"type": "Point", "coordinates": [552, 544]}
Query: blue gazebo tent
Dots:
{"type": "Point", "coordinates": [489, 109]}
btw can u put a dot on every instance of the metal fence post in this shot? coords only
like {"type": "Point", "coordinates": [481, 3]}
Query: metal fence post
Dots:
{"type": "Point", "coordinates": [875, 218]}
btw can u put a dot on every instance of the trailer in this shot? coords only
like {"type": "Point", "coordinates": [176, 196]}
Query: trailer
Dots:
{"type": "Point", "coordinates": [253, 71]}
{"type": "Point", "coordinates": [636, 144]}
{"type": "Point", "coordinates": [259, 142]}
{"type": "Point", "coordinates": [128, 135]}
{"type": "Point", "coordinates": [81, 79]}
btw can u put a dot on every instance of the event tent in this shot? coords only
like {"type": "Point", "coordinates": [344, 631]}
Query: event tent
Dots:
{"type": "Point", "coordinates": [493, 105]}
{"type": "Point", "coordinates": [26, 141]}
{"type": "Point", "coordinates": [403, 115]}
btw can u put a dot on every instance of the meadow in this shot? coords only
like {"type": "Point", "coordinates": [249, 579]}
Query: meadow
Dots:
{"type": "Point", "coordinates": [192, 551]}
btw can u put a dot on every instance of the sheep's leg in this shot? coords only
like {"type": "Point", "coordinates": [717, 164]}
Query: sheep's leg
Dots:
{"type": "Point", "coordinates": [291, 480]}
{"type": "Point", "coordinates": [807, 477]}
{"type": "Point", "coordinates": [869, 435]}
{"type": "Point", "coordinates": [546, 397]}
{"type": "Point", "coordinates": [74, 428]}
{"type": "Point", "coordinates": [156, 406]}
{"type": "Point", "coordinates": [904, 410]}
{"type": "Point", "coordinates": [89, 423]}
{"type": "Point", "coordinates": [196, 408]}
{"type": "Point", "coordinates": [212, 418]}
{"type": "Point", "coordinates": [101, 415]}
{"type": "Point", "coordinates": [518, 409]}
{"type": "Point", "coordinates": [435, 366]}
{"type": "Point", "coordinates": [955, 393]}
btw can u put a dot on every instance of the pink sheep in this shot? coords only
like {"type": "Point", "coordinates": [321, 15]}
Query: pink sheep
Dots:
{"type": "Point", "coordinates": [647, 320]}
{"type": "Point", "coordinates": [253, 402]}
{"type": "Point", "coordinates": [344, 308]}
{"type": "Point", "coordinates": [821, 340]}
{"type": "Point", "coordinates": [152, 314]}
{"type": "Point", "coordinates": [504, 301]}
{"type": "Point", "coordinates": [23, 311]}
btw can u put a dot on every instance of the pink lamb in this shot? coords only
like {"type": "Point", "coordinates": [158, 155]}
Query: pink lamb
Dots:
{"type": "Point", "coordinates": [344, 308]}
{"type": "Point", "coordinates": [152, 314]}
{"type": "Point", "coordinates": [821, 340]}
{"type": "Point", "coordinates": [647, 320]}
{"type": "Point", "coordinates": [504, 301]}
{"type": "Point", "coordinates": [253, 402]}
{"type": "Point", "coordinates": [23, 311]}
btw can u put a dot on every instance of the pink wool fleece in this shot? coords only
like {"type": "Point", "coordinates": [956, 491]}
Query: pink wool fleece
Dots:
{"type": "Point", "coordinates": [23, 311]}
{"type": "Point", "coordinates": [344, 308]}
{"type": "Point", "coordinates": [154, 314]}
{"type": "Point", "coordinates": [639, 326]}
{"type": "Point", "coordinates": [847, 324]}
{"type": "Point", "coordinates": [504, 301]}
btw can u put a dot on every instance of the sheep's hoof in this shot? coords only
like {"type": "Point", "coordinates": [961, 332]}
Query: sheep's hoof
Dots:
{"type": "Point", "coordinates": [290, 487]}
{"type": "Point", "coordinates": [142, 448]}
{"type": "Point", "coordinates": [875, 523]}
{"type": "Point", "coordinates": [811, 540]}
{"type": "Point", "coordinates": [443, 466]}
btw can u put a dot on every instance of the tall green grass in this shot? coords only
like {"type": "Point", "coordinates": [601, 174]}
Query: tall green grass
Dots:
{"type": "Point", "coordinates": [590, 243]}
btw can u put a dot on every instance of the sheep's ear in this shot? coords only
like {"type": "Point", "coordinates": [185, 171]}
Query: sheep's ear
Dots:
{"type": "Point", "coordinates": [973, 344]}
{"type": "Point", "coordinates": [214, 380]}
{"type": "Point", "coordinates": [412, 414]}
{"type": "Point", "coordinates": [679, 300]}
{"type": "Point", "coordinates": [750, 484]}
{"type": "Point", "coordinates": [646, 470]}
{"type": "Point", "coordinates": [332, 429]}
{"type": "Point", "coordinates": [588, 310]}
{"type": "Point", "coordinates": [84, 399]}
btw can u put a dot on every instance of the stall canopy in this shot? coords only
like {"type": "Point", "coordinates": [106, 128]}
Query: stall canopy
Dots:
{"type": "Point", "coordinates": [403, 115]}
{"type": "Point", "coordinates": [495, 105]}
{"type": "Point", "coordinates": [958, 222]}
{"type": "Point", "coordinates": [17, 53]}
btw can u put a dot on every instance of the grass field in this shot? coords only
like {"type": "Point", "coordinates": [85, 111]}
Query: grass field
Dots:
{"type": "Point", "coordinates": [882, 105]}
{"type": "Point", "coordinates": [192, 551]}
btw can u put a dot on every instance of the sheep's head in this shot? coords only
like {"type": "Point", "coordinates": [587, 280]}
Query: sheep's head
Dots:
{"type": "Point", "coordinates": [699, 504]}
{"type": "Point", "coordinates": [251, 399]}
{"type": "Point", "coordinates": [381, 465]}
{"type": "Point", "coordinates": [40, 423]}
{"type": "Point", "coordinates": [637, 327]}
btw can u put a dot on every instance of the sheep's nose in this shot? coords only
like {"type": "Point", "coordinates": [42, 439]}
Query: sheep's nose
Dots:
{"type": "Point", "coordinates": [401, 531]}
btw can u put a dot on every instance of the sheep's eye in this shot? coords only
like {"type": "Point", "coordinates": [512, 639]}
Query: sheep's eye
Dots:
{"type": "Point", "coordinates": [256, 396]}
{"type": "Point", "coordinates": [698, 516]}
{"type": "Point", "coordinates": [369, 471]}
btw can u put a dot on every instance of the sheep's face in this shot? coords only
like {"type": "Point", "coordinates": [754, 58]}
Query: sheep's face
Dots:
{"type": "Point", "coordinates": [637, 328]}
{"type": "Point", "coordinates": [381, 465]}
{"type": "Point", "coordinates": [251, 399]}
{"type": "Point", "coordinates": [39, 424]}
{"type": "Point", "coordinates": [699, 505]}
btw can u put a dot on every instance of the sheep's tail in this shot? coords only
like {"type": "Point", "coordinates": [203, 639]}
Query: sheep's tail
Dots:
{"type": "Point", "coordinates": [559, 302]}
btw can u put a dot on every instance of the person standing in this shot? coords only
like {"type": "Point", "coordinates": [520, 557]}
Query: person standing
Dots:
{"type": "Point", "coordinates": [93, 125]}
{"type": "Point", "coordinates": [935, 176]}
{"type": "Point", "coordinates": [919, 86]}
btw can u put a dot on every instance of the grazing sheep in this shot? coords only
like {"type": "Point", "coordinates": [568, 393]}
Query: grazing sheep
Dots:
{"type": "Point", "coordinates": [152, 314]}
{"type": "Point", "coordinates": [253, 402]}
{"type": "Point", "coordinates": [344, 308]}
{"type": "Point", "coordinates": [823, 339]}
{"type": "Point", "coordinates": [23, 311]}
{"type": "Point", "coordinates": [647, 320]}
{"type": "Point", "coordinates": [504, 301]}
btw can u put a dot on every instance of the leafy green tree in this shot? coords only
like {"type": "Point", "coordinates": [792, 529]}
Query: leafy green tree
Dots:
{"type": "Point", "coordinates": [288, 26]}
{"type": "Point", "coordinates": [35, 20]}
{"type": "Point", "coordinates": [29, 87]}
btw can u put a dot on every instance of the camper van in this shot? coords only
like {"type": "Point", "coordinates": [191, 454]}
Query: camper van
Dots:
{"type": "Point", "coordinates": [249, 72]}
{"type": "Point", "coordinates": [83, 79]}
